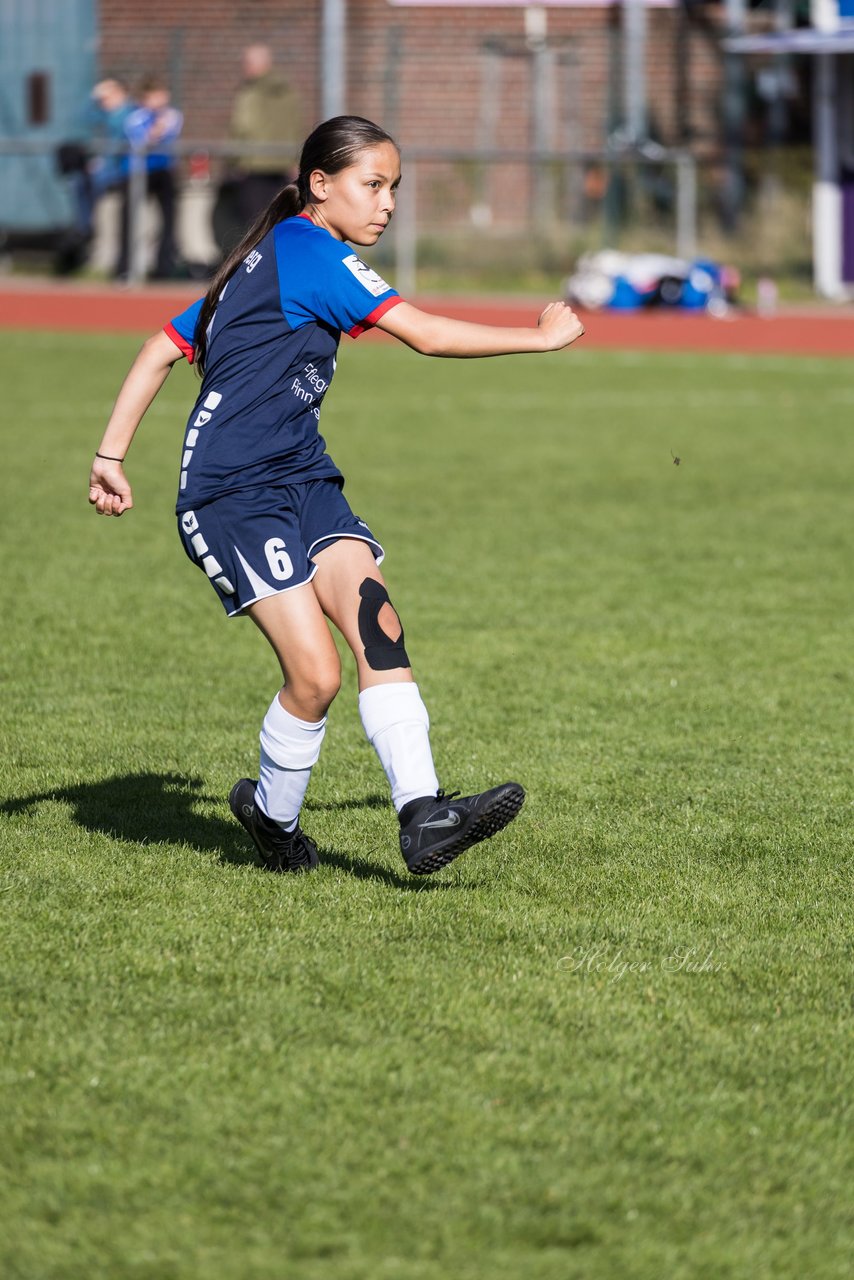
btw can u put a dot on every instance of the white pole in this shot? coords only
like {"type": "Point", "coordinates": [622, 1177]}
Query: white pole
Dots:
{"type": "Point", "coordinates": [686, 205]}
{"type": "Point", "coordinates": [634, 70]}
{"type": "Point", "coordinates": [333, 70]}
{"type": "Point", "coordinates": [405, 235]}
{"type": "Point", "coordinates": [827, 195]}
{"type": "Point", "coordinates": [137, 193]}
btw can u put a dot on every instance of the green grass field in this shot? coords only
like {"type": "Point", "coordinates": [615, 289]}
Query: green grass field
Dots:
{"type": "Point", "coordinates": [615, 1042]}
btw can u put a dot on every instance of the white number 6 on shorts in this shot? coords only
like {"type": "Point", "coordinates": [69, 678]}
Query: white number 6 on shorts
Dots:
{"type": "Point", "coordinates": [281, 565]}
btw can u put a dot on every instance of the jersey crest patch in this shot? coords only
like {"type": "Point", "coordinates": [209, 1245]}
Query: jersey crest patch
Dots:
{"type": "Point", "coordinates": [363, 273]}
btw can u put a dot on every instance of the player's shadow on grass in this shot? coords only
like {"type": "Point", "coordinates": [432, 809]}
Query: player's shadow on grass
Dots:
{"type": "Point", "coordinates": [164, 808]}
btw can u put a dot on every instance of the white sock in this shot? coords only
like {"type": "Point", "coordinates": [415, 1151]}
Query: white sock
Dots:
{"type": "Point", "coordinates": [396, 722]}
{"type": "Point", "coordinates": [289, 747]}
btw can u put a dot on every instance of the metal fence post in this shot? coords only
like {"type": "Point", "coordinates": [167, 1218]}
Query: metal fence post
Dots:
{"type": "Point", "coordinates": [405, 234]}
{"type": "Point", "coordinates": [136, 196]}
{"type": "Point", "coordinates": [333, 57]}
{"type": "Point", "coordinates": [686, 205]}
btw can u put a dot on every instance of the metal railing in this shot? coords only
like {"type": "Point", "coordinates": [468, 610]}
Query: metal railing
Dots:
{"type": "Point", "coordinates": [421, 205]}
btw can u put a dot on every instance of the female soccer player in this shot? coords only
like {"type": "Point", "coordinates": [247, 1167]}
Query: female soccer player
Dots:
{"type": "Point", "coordinates": [260, 504]}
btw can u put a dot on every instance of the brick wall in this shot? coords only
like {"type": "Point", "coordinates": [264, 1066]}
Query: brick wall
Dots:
{"type": "Point", "coordinates": [417, 71]}
{"type": "Point", "coordinates": [198, 45]}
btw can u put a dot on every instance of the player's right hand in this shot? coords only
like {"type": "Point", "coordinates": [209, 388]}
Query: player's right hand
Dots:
{"type": "Point", "coordinates": [109, 492]}
{"type": "Point", "coordinates": [560, 325]}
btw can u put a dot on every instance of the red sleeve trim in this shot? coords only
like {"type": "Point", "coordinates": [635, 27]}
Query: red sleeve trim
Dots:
{"type": "Point", "coordinates": [370, 321]}
{"type": "Point", "coordinates": [186, 348]}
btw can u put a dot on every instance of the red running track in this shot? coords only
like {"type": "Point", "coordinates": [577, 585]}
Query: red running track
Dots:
{"type": "Point", "coordinates": [100, 309]}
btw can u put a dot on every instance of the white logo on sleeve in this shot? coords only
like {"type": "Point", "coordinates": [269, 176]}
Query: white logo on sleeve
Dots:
{"type": "Point", "coordinates": [252, 261]}
{"type": "Point", "coordinates": [363, 273]}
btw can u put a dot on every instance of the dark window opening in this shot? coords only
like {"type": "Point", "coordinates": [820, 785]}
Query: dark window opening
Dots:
{"type": "Point", "coordinates": [38, 97]}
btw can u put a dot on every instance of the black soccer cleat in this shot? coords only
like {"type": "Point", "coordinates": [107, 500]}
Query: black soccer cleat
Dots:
{"type": "Point", "coordinates": [280, 850]}
{"type": "Point", "coordinates": [436, 829]}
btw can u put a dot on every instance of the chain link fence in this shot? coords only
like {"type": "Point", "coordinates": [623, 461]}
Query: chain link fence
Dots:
{"type": "Point", "coordinates": [483, 218]}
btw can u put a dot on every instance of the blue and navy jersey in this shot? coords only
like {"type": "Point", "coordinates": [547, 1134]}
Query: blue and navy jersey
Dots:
{"type": "Point", "coordinates": [138, 127]}
{"type": "Point", "coordinates": [271, 353]}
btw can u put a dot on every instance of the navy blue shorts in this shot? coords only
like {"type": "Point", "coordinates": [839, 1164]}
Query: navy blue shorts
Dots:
{"type": "Point", "coordinates": [259, 542]}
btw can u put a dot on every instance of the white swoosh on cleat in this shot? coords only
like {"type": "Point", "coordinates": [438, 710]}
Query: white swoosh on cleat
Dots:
{"type": "Point", "coordinates": [452, 820]}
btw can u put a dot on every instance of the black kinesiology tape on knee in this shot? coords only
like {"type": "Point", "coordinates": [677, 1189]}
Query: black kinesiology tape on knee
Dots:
{"type": "Point", "coordinates": [381, 652]}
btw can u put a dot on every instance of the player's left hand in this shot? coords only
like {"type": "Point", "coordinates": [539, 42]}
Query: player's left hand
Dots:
{"type": "Point", "coordinates": [109, 491]}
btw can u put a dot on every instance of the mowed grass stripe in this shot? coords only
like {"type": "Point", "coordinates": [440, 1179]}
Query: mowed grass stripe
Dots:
{"type": "Point", "coordinates": [616, 1040]}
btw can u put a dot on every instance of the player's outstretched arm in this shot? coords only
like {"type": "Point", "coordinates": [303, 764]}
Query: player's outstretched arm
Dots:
{"type": "Point", "coordinates": [431, 335]}
{"type": "Point", "coordinates": [109, 491]}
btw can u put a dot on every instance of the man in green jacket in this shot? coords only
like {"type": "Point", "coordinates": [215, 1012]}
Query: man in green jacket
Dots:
{"type": "Point", "coordinates": [266, 110]}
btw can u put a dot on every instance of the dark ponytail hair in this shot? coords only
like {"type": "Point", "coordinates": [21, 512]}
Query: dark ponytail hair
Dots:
{"type": "Point", "coordinates": [333, 146]}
